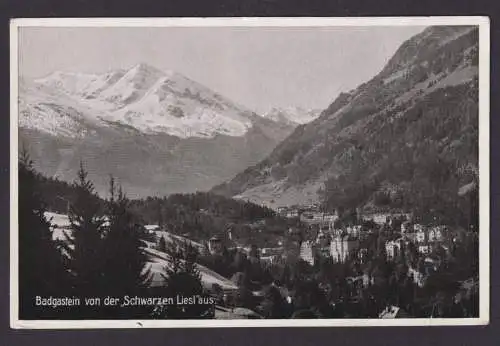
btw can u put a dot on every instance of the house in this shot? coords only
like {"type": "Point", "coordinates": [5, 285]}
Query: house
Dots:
{"type": "Point", "coordinates": [406, 227]}
{"type": "Point", "coordinates": [342, 246]}
{"type": "Point", "coordinates": [271, 254]}
{"type": "Point", "coordinates": [312, 217]}
{"type": "Point", "coordinates": [330, 217]}
{"type": "Point", "coordinates": [354, 231]}
{"type": "Point", "coordinates": [215, 245]}
{"type": "Point", "coordinates": [270, 259]}
{"type": "Point", "coordinates": [393, 248]}
{"type": "Point", "coordinates": [382, 218]}
{"type": "Point", "coordinates": [224, 313]}
{"type": "Point", "coordinates": [417, 276]}
{"type": "Point", "coordinates": [420, 233]}
{"type": "Point", "coordinates": [151, 229]}
{"type": "Point", "coordinates": [368, 280]}
{"type": "Point", "coordinates": [424, 249]}
{"type": "Point", "coordinates": [394, 312]}
{"type": "Point", "coordinates": [288, 212]}
{"type": "Point", "coordinates": [436, 234]}
{"type": "Point", "coordinates": [432, 262]}
{"type": "Point", "coordinates": [323, 244]}
{"type": "Point", "coordinates": [322, 239]}
{"type": "Point", "coordinates": [363, 255]}
{"type": "Point", "coordinates": [271, 251]}
{"type": "Point", "coordinates": [410, 236]}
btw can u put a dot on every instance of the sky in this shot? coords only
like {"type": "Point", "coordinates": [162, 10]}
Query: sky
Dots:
{"type": "Point", "coordinates": [258, 67]}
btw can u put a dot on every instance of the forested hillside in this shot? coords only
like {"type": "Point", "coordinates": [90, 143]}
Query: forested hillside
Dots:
{"type": "Point", "coordinates": [198, 216]}
{"type": "Point", "coordinates": [407, 139]}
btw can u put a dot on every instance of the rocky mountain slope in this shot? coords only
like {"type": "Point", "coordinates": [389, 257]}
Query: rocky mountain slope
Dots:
{"type": "Point", "coordinates": [406, 137]}
{"type": "Point", "coordinates": [157, 132]}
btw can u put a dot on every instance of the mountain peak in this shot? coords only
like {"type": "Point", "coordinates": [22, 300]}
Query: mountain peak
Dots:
{"type": "Point", "coordinates": [147, 99]}
{"type": "Point", "coordinates": [144, 67]}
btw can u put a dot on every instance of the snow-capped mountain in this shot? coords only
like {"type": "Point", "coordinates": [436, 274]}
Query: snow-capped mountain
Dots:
{"type": "Point", "coordinates": [158, 132]}
{"type": "Point", "coordinates": [292, 116]}
{"type": "Point", "coordinates": [143, 97]}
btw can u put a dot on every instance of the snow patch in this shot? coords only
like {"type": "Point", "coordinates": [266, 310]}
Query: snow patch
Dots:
{"type": "Point", "coordinates": [143, 97]}
{"type": "Point", "coordinates": [292, 115]}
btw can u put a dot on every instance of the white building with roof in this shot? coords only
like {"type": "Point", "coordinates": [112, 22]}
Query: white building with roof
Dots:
{"type": "Point", "coordinates": [393, 248]}
{"type": "Point", "coordinates": [342, 246]}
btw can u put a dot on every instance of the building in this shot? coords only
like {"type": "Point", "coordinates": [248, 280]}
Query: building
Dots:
{"type": "Point", "coordinates": [382, 218]}
{"type": "Point", "coordinates": [312, 217]}
{"type": "Point", "coordinates": [323, 244]}
{"type": "Point", "coordinates": [308, 252]}
{"type": "Point", "coordinates": [342, 246]}
{"type": "Point", "coordinates": [354, 231]}
{"type": "Point", "coordinates": [288, 212]}
{"type": "Point", "coordinates": [393, 248]}
{"type": "Point", "coordinates": [363, 255]}
{"type": "Point", "coordinates": [151, 229]}
{"type": "Point", "coordinates": [436, 234]}
{"type": "Point", "coordinates": [406, 227]}
{"type": "Point", "coordinates": [215, 245]}
{"type": "Point", "coordinates": [420, 233]}
{"type": "Point", "coordinates": [394, 312]}
{"type": "Point", "coordinates": [270, 251]}
{"type": "Point", "coordinates": [417, 276]}
{"type": "Point", "coordinates": [424, 249]}
{"type": "Point", "coordinates": [330, 217]}
{"type": "Point", "coordinates": [322, 239]}
{"type": "Point", "coordinates": [271, 254]}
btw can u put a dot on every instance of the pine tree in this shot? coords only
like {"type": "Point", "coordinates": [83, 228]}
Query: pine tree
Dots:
{"type": "Point", "coordinates": [273, 304]}
{"type": "Point", "coordinates": [86, 239]}
{"type": "Point", "coordinates": [125, 264]}
{"type": "Point", "coordinates": [182, 279]}
{"type": "Point", "coordinates": [162, 245]}
{"type": "Point", "coordinates": [41, 266]}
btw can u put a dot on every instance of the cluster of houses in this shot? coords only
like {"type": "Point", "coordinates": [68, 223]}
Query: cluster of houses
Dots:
{"type": "Point", "coordinates": [424, 238]}
{"type": "Point", "coordinates": [309, 215]}
{"type": "Point", "coordinates": [345, 243]}
{"type": "Point", "coordinates": [339, 244]}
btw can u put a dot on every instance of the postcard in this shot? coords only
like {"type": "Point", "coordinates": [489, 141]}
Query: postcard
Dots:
{"type": "Point", "coordinates": [249, 172]}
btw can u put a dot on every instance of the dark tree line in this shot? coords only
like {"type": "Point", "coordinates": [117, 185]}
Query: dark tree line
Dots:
{"type": "Point", "coordinates": [202, 215]}
{"type": "Point", "coordinates": [102, 254]}
{"type": "Point", "coordinates": [42, 269]}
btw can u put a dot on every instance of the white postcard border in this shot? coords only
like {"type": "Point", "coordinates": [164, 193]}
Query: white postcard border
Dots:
{"type": "Point", "coordinates": [484, 166]}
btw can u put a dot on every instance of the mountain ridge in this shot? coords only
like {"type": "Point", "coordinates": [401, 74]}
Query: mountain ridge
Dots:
{"type": "Point", "coordinates": [429, 84]}
{"type": "Point", "coordinates": [146, 98]}
{"type": "Point", "coordinates": [293, 116]}
{"type": "Point", "coordinates": [156, 132]}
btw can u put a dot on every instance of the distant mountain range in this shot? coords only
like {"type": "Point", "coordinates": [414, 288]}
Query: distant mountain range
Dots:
{"type": "Point", "coordinates": [409, 134]}
{"type": "Point", "coordinates": [292, 116]}
{"type": "Point", "coordinates": [157, 132]}
{"type": "Point", "coordinates": [143, 97]}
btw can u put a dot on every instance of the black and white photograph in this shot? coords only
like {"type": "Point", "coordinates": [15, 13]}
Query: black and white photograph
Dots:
{"type": "Point", "coordinates": [251, 172]}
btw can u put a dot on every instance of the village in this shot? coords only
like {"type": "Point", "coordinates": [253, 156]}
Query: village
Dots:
{"type": "Point", "coordinates": [424, 249]}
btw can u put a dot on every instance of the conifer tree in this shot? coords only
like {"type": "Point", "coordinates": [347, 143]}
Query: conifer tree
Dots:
{"type": "Point", "coordinates": [125, 264]}
{"type": "Point", "coordinates": [41, 266]}
{"type": "Point", "coordinates": [86, 239]}
{"type": "Point", "coordinates": [162, 245]}
{"type": "Point", "coordinates": [182, 279]}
